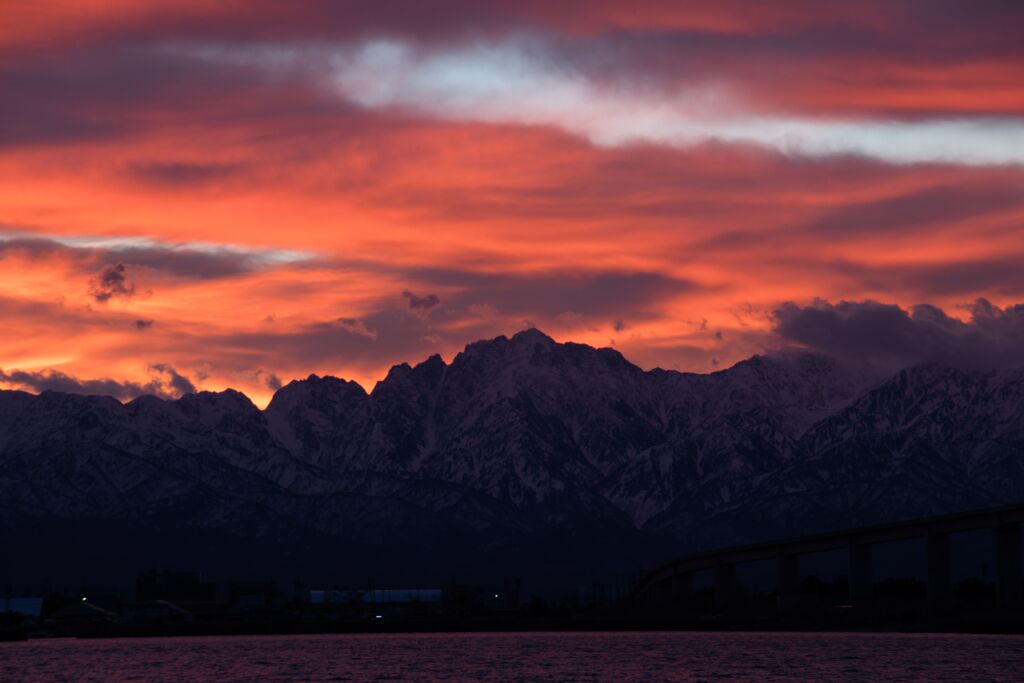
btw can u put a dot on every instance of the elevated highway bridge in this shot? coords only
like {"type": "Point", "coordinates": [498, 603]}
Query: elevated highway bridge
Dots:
{"type": "Point", "coordinates": [673, 580]}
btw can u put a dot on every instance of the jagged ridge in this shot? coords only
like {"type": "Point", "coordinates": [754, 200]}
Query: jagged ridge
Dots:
{"type": "Point", "coordinates": [525, 438]}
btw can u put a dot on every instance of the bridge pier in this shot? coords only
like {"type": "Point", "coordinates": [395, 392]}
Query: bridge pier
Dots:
{"type": "Point", "coordinates": [1008, 566]}
{"type": "Point", "coordinates": [673, 581]}
{"type": "Point", "coordinates": [682, 587]}
{"type": "Point", "coordinates": [859, 575]}
{"type": "Point", "coordinates": [725, 585]}
{"type": "Point", "coordinates": [940, 583]}
{"type": "Point", "coordinates": [788, 581]}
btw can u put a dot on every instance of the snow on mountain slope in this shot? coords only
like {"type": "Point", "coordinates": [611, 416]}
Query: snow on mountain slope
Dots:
{"type": "Point", "coordinates": [522, 436]}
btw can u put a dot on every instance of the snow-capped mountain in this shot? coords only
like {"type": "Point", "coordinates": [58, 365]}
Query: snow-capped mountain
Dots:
{"type": "Point", "coordinates": [521, 444]}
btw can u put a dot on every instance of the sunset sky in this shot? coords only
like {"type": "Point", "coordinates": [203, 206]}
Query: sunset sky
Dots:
{"type": "Point", "coordinates": [201, 194]}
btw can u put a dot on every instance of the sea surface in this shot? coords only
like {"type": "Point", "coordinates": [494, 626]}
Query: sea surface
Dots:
{"type": "Point", "coordinates": [523, 657]}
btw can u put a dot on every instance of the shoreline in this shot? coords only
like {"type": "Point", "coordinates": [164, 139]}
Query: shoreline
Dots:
{"type": "Point", "coordinates": [1013, 626]}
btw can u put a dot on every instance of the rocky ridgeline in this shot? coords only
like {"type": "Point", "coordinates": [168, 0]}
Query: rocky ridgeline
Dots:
{"type": "Point", "coordinates": [525, 438]}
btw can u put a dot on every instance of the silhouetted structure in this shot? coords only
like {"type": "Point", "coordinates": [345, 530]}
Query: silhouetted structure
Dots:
{"type": "Point", "coordinates": [29, 608]}
{"type": "Point", "coordinates": [254, 594]}
{"type": "Point", "coordinates": [79, 616]}
{"type": "Point", "coordinates": [674, 579]}
{"type": "Point", "coordinates": [173, 586]}
{"type": "Point", "coordinates": [375, 597]}
{"type": "Point", "coordinates": [156, 612]}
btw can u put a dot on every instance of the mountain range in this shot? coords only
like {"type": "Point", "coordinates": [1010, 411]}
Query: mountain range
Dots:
{"type": "Point", "coordinates": [522, 455]}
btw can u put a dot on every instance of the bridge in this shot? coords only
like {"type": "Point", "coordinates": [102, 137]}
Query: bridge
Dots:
{"type": "Point", "coordinates": [674, 579]}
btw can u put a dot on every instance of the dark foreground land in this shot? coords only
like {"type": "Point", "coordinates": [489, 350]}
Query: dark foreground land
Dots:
{"type": "Point", "coordinates": [897, 608]}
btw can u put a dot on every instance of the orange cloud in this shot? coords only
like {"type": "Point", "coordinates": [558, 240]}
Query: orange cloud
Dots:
{"type": "Point", "coordinates": [251, 225]}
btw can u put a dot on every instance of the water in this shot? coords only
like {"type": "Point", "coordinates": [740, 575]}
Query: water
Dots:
{"type": "Point", "coordinates": [523, 657]}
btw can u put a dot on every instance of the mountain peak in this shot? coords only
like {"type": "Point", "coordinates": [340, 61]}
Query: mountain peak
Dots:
{"type": "Point", "coordinates": [522, 438]}
{"type": "Point", "coordinates": [432, 361]}
{"type": "Point", "coordinates": [523, 343]}
{"type": "Point", "coordinates": [531, 335]}
{"type": "Point", "coordinates": [226, 400]}
{"type": "Point", "coordinates": [316, 387]}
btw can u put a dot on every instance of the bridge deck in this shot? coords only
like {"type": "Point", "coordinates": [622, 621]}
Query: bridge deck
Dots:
{"type": "Point", "coordinates": [991, 518]}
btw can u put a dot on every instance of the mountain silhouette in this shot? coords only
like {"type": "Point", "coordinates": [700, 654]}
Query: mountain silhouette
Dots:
{"type": "Point", "coordinates": [522, 455]}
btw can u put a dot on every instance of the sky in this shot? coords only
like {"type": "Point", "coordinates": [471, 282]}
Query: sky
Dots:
{"type": "Point", "coordinates": [199, 195]}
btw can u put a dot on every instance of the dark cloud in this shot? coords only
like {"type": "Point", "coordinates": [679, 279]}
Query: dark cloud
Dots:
{"type": "Point", "coordinates": [922, 209]}
{"type": "Point", "coordinates": [142, 324]}
{"type": "Point", "coordinates": [544, 296]}
{"type": "Point", "coordinates": [121, 86]}
{"type": "Point", "coordinates": [181, 173]}
{"type": "Point", "coordinates": [269, 380]}
{"type": "Point", "coordinates": [178, 383]}
{"type": "Point", "coordinates": [356, 326]}
{"type": "Point", "coordinates": [36, 124]}
{"type": "Point", "coordinates": [1000, 275]}
{"type": "Point", "coordinates": [112, 283]}
{"type": "Point", "coordinates": [816, 33]}
{"type": "Point", "coordinates": [388, 336]}
{"type": "Point", "coordinates": [970, 200]}
{"type": "Point", "coordinates": [102, 91]}
{"type": "Point", "coordinates": [421, 304]}
{"type": "Point", "coordinates": [887, 336]}
{"type": "Point", "coordinates": [190, 263]}
{"type": "Point", "coordinates": [182, 261]}
{"type": "Point", "coordinates": [166, 383]}
{"type": "Point", "coordinates": [620, 325]}
{"type": "Point", "coordinates": [799, 27]}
